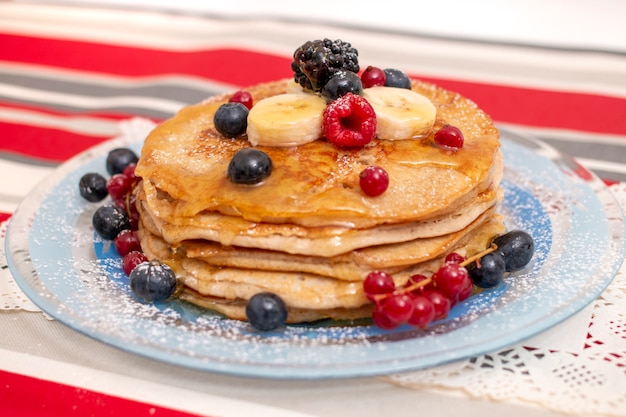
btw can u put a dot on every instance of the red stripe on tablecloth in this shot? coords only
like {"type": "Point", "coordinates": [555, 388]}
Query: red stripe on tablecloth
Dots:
{"type": "Point", "coordinates": [45, 143]}
{"type": "Point", "coordinates": [509, 104]}
{"type": "Point", "coordinates": [4, 216]}
{"type": "Point", "coordinates": [542, 108]}
{"type": "Point", "coordinates": [24, 396]}
{"type": "Point", "coordinates": [244, 67]}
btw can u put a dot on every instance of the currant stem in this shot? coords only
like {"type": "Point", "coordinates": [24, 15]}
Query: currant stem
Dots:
{"type": "Point", "coordinates": [479, 255]}
{"type": "Point", "coordinates": [404, 290]}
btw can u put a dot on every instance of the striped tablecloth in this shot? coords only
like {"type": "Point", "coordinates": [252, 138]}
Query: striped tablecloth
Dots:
{"type": "Point", "coordinates": [69, 75]}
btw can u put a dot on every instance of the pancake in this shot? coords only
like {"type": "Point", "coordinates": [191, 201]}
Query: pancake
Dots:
{"type": "Point", "coordinates": [308, 233]}
{"type": "Point", "coordinates": [318, 183]}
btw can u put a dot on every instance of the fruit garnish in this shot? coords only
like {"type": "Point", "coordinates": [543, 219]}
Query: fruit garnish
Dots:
{"type": "Point", "coordinates": [449, 137]}
{"type": "Point", "coordinates": [315, 62]}
{"type": "Point", "coordinates": [517, 247]}
{"type": "Point", "coordinates": [131, 260]}
{"type": "Point", "coordinates": [93, 187]}
{"type": "Point", "coordinates": [373, 77]}
{"type": "Point", "coordinates": [400, 113]}
{"type": "Point", "coordinates": [109, 220]}
{"type": "Point", "coordinates": [396, 78]}
{"type": "Point", "coordinates": [266, 311]}
{"type": "Point", "coordinates": [120, 158]}
{"type": "Point", "coordinates": [231, 119]}
{"type": "Point", "coordinates": [118, 185]}
{"type": "Point", "coordinates": [290, 119]}
{"type": "Point", "coordinates": [432, 297]}
{"type": "Point", "coordinates": [249, 166]}
{"type": "Point", "coordinates": [374, 181]}
{"type": "Point", "coordinates": [152, 281]}
{"type": "Point", "coordinates": [242, 96]}
{"type": "Point", "coordinates": [349, 121]}
{"type": "Point", "coordinates": [126, 241]}
{"type": "Point", "coordinates": [341, 83]}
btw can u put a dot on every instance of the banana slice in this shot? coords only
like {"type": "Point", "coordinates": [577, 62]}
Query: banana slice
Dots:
{"type": "Point", "coordinates": [400, 113]}
{"type": "Point", "coordinates": [289, 119]}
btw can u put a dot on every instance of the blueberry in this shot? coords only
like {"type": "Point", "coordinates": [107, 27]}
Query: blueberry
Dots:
{"type": "Point", "coordinates": [517, 248]}
{"type": "Point", "coordinates": [109, 220]}
{"type": "Point", "coordinates": [231, 119]}
{"type": "Point", "coordinates": [249, 166]}
{"type": "Point", "coordinates": [93, 187]}
{"type": "Point", "coordinates": [152, 281]}
{"type": "Point", "coordinates": [266, 311]}
{"type": "Point", "coordinates": [396, 78]}
{"type": "Point", "coordinates": [488, 271]}
{"type": "Point", "coordinates": [120, 158]}
{"type": "Point", "coordinates": [340, 84]}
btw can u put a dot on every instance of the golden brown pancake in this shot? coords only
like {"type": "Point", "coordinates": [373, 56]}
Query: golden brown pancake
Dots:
{"type": "Point", "coordinates": [308, 233]}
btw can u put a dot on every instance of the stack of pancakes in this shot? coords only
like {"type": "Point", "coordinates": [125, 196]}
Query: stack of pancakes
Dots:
{"type": "Point", "coordinates": [308, 233]}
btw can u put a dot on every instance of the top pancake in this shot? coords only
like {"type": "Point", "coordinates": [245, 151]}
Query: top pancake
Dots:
{"type": "Point", "coordinates": [186, 159]}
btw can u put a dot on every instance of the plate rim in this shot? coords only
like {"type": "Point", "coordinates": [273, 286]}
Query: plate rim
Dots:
{"type": "Point", "coordinates": [40, 192]}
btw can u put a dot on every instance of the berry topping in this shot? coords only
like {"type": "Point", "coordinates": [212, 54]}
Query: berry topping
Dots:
{"type": "Point", "coordinates": [451, 279]}
{"type": "Point", "coordinates": [517, 248]}
{"type": "Point", "coordinates": [266, 311]}
{"type": "Point", "coordinates": [396, 78]}
{"type": "Point", "coordinates": [243, 97]}
{"type": "Point", "coordinates": [454, 258]}
{"type": "Point", "coordinates": [423, 312]}
{"type": "Point", "coordinates": [93, 187]}
{"type": "Point", "coordinates": [231, 119]}
{"type": "Point", "coordinates": [373, 77]}
{"type": "Point", "coordinates": [109, 220]}
{"type": "Point", "coordinates": [397, 308]}
{"type": "Point", "coordinates": [373, 181]}
{"type": "Point", "coordinates": [487, 271]}
{"type": "Point", "coordinates": [449, 137]}
{"type": "Point", "coordinates": [441, 303]}
{"type": "Point", "coordinates": [349, 121]}
{"type": "Point", "coordinates": [126, 241]}
{"type": "Point", "coordinates": [315, 62]}
{"type": "Point", "coordinates": [120, 158]}
{"type": "Point", "coordinates": [377, 283]}
{"type": "Point", "coordinates": [341, 83]}
{"type": "Point", "coordinates": [152, 281]}
{"type": "Point", "coordinates": [249, 166]}
{"type": "Point", "coordinates": [131, 260]}
{"type": "Point", "coordinates": [119, 185]}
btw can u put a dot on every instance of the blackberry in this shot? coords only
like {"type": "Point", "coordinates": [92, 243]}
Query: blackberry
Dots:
{"type": "Point", "coordinates": [315, 62]}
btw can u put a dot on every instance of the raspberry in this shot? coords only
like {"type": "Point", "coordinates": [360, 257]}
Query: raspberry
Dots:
{"type": "Point", "coordinates": [349, 121]}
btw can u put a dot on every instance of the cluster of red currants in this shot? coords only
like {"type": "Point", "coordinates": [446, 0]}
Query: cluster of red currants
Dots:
{"type": "Point", "coordinates": [420, 300]}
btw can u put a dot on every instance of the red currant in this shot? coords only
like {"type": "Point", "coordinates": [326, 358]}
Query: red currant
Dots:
{"type": "Point", "coordinates": [131, 260]}
{"type": "Point", "coordinates": [377, 283]}
{"type": "Point", "coordinates": [243, 97]}
{"type": "Point", "coordinates": [381, 319]}
{"type": "Point", "coordinates": [466, 291]}
{"type": "Point", "coordinates": [451, 279]}
{"type": "Point", "coordinates": [397, 307]}
{"type": "Point", "coordinates": [374, 181]}
{"type": "Point", "coordinates": [449, 137]}
{"type": "Point", "coordinates": [349, 121]}
{"type": "Point", "coordinates": [441, 303]}
{"type": "Point", "coordinates": [423, 311]}
{"type": "Point", "coordinates": [118, 186]}
{"type": "Point", "coordinates": [372, 77]}
{"type": "Point", "coordinates": [454, 258]}
{"type": "Point", "coordinates": [126, 241]}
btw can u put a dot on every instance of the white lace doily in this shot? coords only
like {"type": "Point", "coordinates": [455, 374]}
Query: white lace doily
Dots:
{"type": "Point", "coordinates": [585, 377]}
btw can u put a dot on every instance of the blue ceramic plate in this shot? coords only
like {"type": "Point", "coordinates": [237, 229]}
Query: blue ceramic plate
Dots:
{"type": "Point", "coordinates": [577, 225]}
